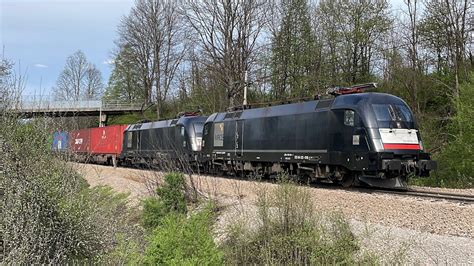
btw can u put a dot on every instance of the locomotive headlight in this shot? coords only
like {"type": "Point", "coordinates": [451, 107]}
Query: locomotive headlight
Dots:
{"type": "Point", "coordinates": [378, 144]}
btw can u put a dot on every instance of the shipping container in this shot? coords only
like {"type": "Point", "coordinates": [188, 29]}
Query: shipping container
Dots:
{"type": "Point", "coordinates": [107, 140]}
{"type": "Point", "coordinates": [79, 140]}
{"type": "Point", "coordinates": [60, 141]}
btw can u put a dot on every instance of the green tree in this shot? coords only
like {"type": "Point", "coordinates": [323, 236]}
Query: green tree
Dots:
{"type": "Point", "coordinates": [293, 52]}
{"type": "Point", "coordinates": [456, 164]}
{"type": "Point", "coordinates": [125, 83]}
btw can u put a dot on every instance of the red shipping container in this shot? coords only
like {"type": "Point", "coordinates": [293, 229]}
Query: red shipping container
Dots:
{"type": "Point", "coordinates": [79, 140]}
{"type": "Point", "coordinates": [107, 140]}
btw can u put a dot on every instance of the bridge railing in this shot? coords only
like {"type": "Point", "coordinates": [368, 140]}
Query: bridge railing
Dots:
{"type": "Point", "coordinates": [121, 105]}
{"type": "Point", "coordinates": [49, 103]}
{"type": "Point", "coordinates": [58, 105]}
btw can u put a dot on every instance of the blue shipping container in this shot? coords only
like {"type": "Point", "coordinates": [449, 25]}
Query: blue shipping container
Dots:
{"type": "Point", "coordinates": [60, 141]}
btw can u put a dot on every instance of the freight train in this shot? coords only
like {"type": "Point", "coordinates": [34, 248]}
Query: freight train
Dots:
{"type": "Point", "coordinates": [351, 138]}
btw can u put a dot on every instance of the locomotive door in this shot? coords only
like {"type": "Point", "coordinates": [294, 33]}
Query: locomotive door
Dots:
{"type": "Point", "coordinates": [349, 135]}
{"type": "Point", "coordinates": [239, 138]}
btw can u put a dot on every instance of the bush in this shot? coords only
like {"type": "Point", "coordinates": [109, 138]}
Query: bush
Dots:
{"type": "Point", "coordinates": [171, 198]}
{"type": "Point", "coordinates": [175, 238]}
{"type": "Point", "coordinates": [455, 161]}
{"type": "Point", "coordinates": [49, 215]}
{"type": "Point", "coordinates": [184, 241]}
{"type": "Point", "coordinates": [289, 232]}
{"type": "Point", "coordinates": [127, 251]}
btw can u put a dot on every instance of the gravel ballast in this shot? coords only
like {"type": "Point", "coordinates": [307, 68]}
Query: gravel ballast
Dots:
{"type": "Point", "coordinates": [431, 231]}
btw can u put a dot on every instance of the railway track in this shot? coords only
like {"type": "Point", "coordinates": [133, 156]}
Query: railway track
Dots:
{"type": "Point", "coordinates": [410, 192]}
{"type": "Point", "coordinates": [455, 197]}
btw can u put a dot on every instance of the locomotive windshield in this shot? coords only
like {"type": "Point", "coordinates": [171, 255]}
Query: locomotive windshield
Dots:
{"type": "Point", "coordinates": [198, 127]}
{"type": "Point", "coordinates": [392, 112]}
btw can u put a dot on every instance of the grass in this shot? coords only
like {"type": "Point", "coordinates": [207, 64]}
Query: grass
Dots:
{"type": "Point", "coordinates": [287, 230]}
{"type": "Point", "coordinates": [131, 118]}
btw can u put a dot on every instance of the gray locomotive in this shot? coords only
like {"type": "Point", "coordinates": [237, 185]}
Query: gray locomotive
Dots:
{"type": "Point", "coordinates": [355, 137]}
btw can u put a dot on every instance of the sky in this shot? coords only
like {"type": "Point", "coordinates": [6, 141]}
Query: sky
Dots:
{"type": "Point", "coordinates": [39, 35]}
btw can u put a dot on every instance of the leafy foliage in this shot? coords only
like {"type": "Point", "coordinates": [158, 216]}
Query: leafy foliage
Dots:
{"type": "Point", "coordinates": [49, 215]}
{"type": "Point", "coordinates": [171, 199]}
{"type": "Point", "coordinates": [455, 161]}
{"type": "Point", "coordinates": [176, 239]}
{"type": "Point", "coordinates": [124, 82]}
{"type": "Point", "coordinates": [184, 241]}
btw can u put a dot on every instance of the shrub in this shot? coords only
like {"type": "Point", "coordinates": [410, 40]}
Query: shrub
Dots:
{"type": "Point", "coordinates": [175, 238]}
{"type": "Point", "coordinates": [127, 251]}
{"type": "Point", "coordinates": [49, 215]}
{"type": "Point", "coordinates": [289, 232]}
{"type": "Point", "coordinates": [184, 241]}
{"type": "Point", "coordinates": [171, 198]}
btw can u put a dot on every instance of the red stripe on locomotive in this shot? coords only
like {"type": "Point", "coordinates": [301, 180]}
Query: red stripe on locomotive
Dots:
{"type": "Point", "coordinates": [401, 146]}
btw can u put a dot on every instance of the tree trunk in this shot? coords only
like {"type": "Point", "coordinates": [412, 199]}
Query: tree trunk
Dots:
{"type": "Point", "coordinates": [158, 109]}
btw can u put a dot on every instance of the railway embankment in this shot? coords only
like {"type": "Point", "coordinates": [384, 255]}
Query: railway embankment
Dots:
{"type": "Point", "coordinates": [422, 230]}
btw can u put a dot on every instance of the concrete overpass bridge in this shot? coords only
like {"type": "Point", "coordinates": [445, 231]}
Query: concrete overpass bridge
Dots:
{"type": "Point", "coordinates": [29, 107]}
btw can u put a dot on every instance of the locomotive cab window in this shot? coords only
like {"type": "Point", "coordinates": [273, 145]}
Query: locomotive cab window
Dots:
{"type": "Point", "coordinates": [198, 129]}
{"type": "Point", "coordinates": [349, 118]}
{"type": "Point", "coordinates": [218, 134]}
{"type": "Point", "coordinates": [392, 112]}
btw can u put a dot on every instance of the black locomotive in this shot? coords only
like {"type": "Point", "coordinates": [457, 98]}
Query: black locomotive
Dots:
{"type": "Point", "coordinates": [152, 143]}
{"type": "Point", "coordinates": [355, 137]}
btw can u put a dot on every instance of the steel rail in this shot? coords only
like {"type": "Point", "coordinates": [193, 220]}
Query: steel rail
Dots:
{"type": "Point", "coordinates": [463, 198]}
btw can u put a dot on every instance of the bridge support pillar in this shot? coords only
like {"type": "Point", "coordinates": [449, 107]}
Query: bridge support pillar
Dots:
{"type": "Point", "coordinates": [102, 119]}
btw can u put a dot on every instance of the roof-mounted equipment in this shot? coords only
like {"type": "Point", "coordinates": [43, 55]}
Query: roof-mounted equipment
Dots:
{"type": "Point", "coordinates": [192, 113]}
{"type": "Point", "coordinates": [350, 90]}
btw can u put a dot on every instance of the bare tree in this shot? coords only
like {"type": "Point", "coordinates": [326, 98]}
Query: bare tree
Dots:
{"type": "Point", "coordinates": [445, 32]}
{"type": "Point", "coordinates": [228, 32]}
{"type": "Point", "coordinates": [5, 70]}
{"type": "Point", "coordinates": [410, 29]}
{"type": "Point", "coordinates": [353, 38]}
{"type": "Point", "coordinates": [12, 84]}
{"type": "Point", "coordinates": [79, 80]}
{"type": "Point", "coordinates": [93, 83]}
{"type": "Point", "coordinates": [153, 33]}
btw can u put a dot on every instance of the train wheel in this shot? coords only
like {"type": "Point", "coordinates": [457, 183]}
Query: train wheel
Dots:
{"type": "Point", "coordinates": [304, 179]}
{"type": "Point", "coordinates": [348, 180]}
